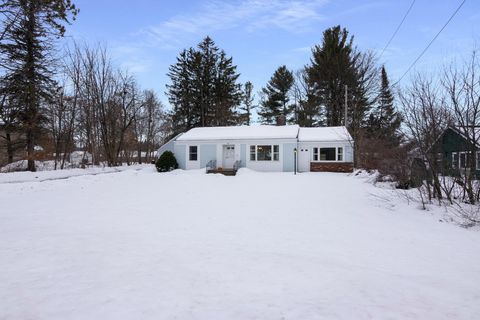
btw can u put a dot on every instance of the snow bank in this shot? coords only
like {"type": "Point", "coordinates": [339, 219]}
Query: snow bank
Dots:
{"type": "Point", "coordinates": [45, 175]}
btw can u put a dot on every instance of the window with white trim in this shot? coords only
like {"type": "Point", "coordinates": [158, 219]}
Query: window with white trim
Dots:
{"type": "Point", "coordinates": [465, 159]}
{"type": "Point", "coordinates": [265, 152]}
{"type": "Point", "coordinates": [253, 156]}
{"type": "Point", "coordinates": [193, 153]}
{"type": "Point", "coordinates": [327, 154]}
{"type": "Point", "coordinates": [340, 154]}
{"type": "Point", "coordinates": [454, 160]}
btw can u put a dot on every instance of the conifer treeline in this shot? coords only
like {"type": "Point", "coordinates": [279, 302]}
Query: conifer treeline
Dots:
{"type": "Point", "coordinates": [204, 91]}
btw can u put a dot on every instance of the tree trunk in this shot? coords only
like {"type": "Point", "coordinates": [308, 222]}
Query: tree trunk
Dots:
{"type": "Point", "coordinates": [32, 98]}
{"type": "Point", "coordinates": [30, 150]}
{"type": "Point", "coordinates": [9, 148]}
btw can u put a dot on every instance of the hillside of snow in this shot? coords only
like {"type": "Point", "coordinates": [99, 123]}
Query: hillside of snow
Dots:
{"type": "Point", "coordinates": [136, 244]}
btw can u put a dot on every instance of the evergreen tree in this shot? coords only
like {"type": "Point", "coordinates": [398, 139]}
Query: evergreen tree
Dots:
{"type": "Point", "coordinates": [334, 65]}
{"type": "Point", "coordinates": [203, 90]}
{"type": "Point", "coordinates": [276, 96]}
{"type": "Point", "coordinates": [384, 122]}
{"type": "Point", "coordinates": [181, 93]}
{"type": "Point", "coordinates": [227, 93]}
{"type": "Point", "coordinates": [247, 103]}
{"type": "Point", "coordinates": [29, 29]}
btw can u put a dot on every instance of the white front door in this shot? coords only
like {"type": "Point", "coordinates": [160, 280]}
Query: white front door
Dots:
{"type": "Point", "coordinates": [304, 159]}
{"type": "Point", "coordinates": [228, 156]}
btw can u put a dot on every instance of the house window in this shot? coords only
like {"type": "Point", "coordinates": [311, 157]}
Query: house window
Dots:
{"type": "Point", "coordinates": [193, 153]}
{"type": "Point", "coordinates": [252, 153]}
{"type": "Point", "coordinates": [340, 154]}
{"type": "Point", "coordinates": [478, 161]}
{"type": "Point", "coordinates": [465, 159]}
{"type": "Point", "coordinates": [454, 160]}
{"type": "Point", "coordinates": [264, 153]}
{"type": "Point", "coordinates": [327, 154]}
{"type": "Point", "coordinates": [276, 152]}
{"type": "Point", "coordinates": [315, 154]}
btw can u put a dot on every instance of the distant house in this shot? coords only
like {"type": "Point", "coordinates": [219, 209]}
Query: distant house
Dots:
{"type": "Point", "coordinates": [453, 151]}
{"type": "Point", "coordinates": [264, 148]}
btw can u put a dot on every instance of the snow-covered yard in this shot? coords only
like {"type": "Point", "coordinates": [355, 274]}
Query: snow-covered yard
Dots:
{"type": "Point", "coordinates": [137, 244]}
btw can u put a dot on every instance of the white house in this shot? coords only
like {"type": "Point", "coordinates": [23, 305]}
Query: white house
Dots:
{"type": "Point", "coordinates": [264, 148]}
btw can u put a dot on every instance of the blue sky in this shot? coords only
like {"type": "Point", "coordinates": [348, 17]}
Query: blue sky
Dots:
{"type": "Point", "coordinates": [145, 36]}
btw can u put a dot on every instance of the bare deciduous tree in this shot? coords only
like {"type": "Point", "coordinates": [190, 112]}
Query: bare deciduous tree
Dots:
{"type": "Point", "coordinates": [426, 116]}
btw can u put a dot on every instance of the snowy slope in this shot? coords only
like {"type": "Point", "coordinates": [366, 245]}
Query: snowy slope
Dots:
{"type": "Point", "coordinates": [184, 245]}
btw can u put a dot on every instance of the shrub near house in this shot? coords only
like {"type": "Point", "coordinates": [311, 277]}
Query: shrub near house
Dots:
{"type": "Point", "coordinates": [166, 162]}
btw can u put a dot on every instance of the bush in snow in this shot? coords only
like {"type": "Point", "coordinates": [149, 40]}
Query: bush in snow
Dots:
{"type": "Point", "coordinates": [166, 162]}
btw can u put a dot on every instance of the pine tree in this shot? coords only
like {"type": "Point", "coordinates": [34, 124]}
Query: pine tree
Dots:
{"type": "Point", "coordinates": [247, 103]}
{"type": "Point", "coordinates": [276, 96]}
{"type": "Point", "coordinates": [384, 122]}
{"type": "Point", "coordinates": [227, 93]}
{"type": "Point", "coordinates": [203, 90]}
{"type": "Point", "coordinates": [333, 65]}
{"type": "Point", "coordinates": [30, 28]}
{"type": "Point", "coordinates": [205, 70]}
{"type": "Point", "coordinates": [181, 93]}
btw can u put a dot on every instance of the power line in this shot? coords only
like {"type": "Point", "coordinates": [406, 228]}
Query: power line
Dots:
{"type": "Point", "coordinates": [430, 43]}
{"type": "Point", "coordinates": [398, 28]}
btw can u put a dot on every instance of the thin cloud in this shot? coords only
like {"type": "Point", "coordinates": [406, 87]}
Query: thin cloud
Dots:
{"type": "Point", "coordinates": [250, 15]}
{"type": "Point", "coordinates": [131, 58]}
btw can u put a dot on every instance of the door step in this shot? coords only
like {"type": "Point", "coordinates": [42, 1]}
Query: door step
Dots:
{"type": "Point", "coordinates": [225, 172]}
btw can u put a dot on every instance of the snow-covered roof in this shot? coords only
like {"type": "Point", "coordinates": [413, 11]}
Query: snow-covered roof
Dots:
{"type": "Point", "coordinates": [324, 134]}
{"type": "Point", "coordinates": [240, 133]}
{"type": "Point", "coordinates": [266, 132]}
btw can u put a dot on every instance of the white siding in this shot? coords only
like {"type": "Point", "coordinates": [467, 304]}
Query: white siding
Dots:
{"type": "Point", "coordinates": [193, 164]}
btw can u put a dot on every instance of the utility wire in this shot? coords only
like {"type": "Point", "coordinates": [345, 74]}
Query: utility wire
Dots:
{"type": "Point", "coordinates": [398, 28]}
{"type": "Point", "coordinates": [430, 43]}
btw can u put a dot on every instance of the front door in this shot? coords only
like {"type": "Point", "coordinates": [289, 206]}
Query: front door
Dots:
{"type": "Point", "coordinates": [304, 160]}
{"type": "Point", "coordinates": [228, 156]}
